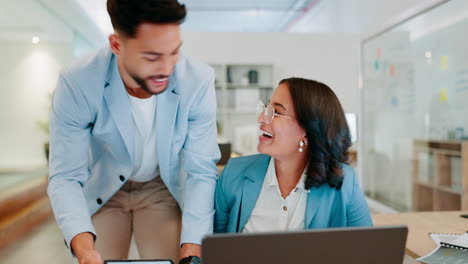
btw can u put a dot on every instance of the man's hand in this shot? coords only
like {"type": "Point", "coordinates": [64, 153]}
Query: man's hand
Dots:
{"type": "Point", "coordinates": [90, 257]}
{"type": "Point", "coordinates": [189, 249]}
{"type": "Point", "coordinates": [83, 246]}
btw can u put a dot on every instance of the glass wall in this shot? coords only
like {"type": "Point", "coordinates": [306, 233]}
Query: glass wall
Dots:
{"type": "Point", "coordinates": [34, 44]}
{"type": "Point", "coordinates": [415, 108]}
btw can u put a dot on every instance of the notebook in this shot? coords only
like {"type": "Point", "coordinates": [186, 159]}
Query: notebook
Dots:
{"type": "Point", "coordinates": [451, 249]}
{"type": "Point", "coordinates": [443, 237]}
{"type": "Point", "coordinates": [353, 245]}
{"type": "Point", "coordinates": [460, 243]}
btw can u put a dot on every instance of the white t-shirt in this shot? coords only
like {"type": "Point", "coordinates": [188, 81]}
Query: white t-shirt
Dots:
{"type": "Point", "coordinates": [272, 212]}
{"type": "Point", "coordinates": [146, 156]}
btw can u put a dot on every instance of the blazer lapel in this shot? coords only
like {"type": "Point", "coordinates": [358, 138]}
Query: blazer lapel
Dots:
{"type": "Point", "coordinates": [253, 183]}
{"type": "Point", "coordinates": [116, 97]}
{"type": "Point", "coordinates": [313, 203]}
{"type": "Point", "coordinates": [167, 106]}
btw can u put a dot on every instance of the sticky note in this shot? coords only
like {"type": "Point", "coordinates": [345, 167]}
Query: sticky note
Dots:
{"type": "Point", "coordinates": [444, 63]}
{"type": "Point", "coordinates": [394, 101]}
{"type": "Point", "coordinates": [443, 95]}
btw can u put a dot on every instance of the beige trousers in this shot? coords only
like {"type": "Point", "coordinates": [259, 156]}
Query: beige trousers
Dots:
{"type": "Point", "coordinates": [149, 212]}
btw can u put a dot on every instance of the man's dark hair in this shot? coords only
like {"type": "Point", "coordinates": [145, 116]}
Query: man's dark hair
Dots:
{"type": "Point", "coordinates": [127, 15]}
{"type": "Point", "coordinates": [319, 112]}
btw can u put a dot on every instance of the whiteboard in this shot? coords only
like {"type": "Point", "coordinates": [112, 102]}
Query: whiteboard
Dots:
{"type": "Point", "coordinates": [414, 86]}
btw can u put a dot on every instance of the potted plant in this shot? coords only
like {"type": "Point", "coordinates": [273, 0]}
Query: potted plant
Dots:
{"type": "Point", "coordinates": [43, 125]}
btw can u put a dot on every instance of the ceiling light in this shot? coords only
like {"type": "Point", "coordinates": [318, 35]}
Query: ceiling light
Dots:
{"type": "Point", "coordinates": [256, 12]}
{"type": "Point", "coordinates": [35, 40]}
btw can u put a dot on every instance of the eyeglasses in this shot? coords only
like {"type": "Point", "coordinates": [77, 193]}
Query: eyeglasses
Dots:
{"type": "Point", "coordinates": [268, 112]}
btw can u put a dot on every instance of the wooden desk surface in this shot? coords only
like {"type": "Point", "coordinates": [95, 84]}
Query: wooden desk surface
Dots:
{"type": "Point", "coordinates": [420, 224]}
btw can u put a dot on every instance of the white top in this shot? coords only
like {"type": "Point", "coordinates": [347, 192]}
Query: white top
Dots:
{"type": "Point", "coordinates": [146, 157]}
{"type": "Point", "coordinates": [272, 212]}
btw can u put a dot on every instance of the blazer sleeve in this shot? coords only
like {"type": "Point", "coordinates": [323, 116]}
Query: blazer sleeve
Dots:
{"type": "Point", "coordinates": [200, 154]}
{"type": "Point", "coordinates": [70, 125]}
{"type": "Point", "coordinates": [357, 211]}
{"type": "Point", "coordinates": [222, 209]}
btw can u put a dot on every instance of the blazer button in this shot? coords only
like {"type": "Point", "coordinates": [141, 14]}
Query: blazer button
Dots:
{"type": "Point", "coordinates": [99, 201]}
{"type": "Point", "coordinates": [122, 178]}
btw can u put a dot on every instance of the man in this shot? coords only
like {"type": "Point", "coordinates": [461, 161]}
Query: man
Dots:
{"type": "Point", "coordinates": [127, 124]}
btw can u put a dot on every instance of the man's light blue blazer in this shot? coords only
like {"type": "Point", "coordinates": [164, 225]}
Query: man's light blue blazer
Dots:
{"type": "Point", "coordinates": [92, 142]}
{"type": "Point", "coordinates": [240, 184]}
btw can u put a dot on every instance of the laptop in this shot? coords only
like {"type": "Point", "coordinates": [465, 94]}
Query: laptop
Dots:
{"type": "Point", "coordinates": [351, 245]}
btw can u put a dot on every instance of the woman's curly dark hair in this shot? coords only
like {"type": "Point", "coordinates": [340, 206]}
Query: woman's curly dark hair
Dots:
{"type": "Point", "coordinates": [319, 112]}
{"type": "Point", "coordinates": [127, 15]}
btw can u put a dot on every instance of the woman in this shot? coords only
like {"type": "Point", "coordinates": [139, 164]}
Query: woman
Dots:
{"type": "Point", "coordinates": [300, 179]}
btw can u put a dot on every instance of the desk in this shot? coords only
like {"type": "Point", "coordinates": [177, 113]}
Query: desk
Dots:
{"type": "Point", "coordinates": [420, 224]}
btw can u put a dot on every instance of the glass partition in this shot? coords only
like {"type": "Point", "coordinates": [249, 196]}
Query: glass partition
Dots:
{"type": "Point", "coordinates": [415, 107]}
{"type": "Point", "coordinates": [34, 44]}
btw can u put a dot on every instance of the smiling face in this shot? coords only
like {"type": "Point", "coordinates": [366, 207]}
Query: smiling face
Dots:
{"type": "Point", "coordinates": [280, 139]}
{"type": "Point", "coordinates": [147, 60]}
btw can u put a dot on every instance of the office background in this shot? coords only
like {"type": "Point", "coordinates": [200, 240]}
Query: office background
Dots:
{"type": "Point", "coordinates": [406, 85]}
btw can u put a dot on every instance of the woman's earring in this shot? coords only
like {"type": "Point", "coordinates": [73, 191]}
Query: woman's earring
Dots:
{"type": "Point", "coordinates": [301, 144]}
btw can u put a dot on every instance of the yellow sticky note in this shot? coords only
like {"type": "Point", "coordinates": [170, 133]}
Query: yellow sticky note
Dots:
{"type": "Point", "coordinates": [444, 62]}
{"type": "Point", "coordinates": [443, 95]}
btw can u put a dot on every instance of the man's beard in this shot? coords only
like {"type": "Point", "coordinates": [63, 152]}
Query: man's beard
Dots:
{"type": "Point", "coordinates": [142, 82]}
